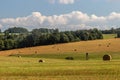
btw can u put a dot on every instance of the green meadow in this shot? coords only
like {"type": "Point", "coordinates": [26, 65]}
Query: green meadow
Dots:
{"type": "Point", "coordinates": [109, 36]}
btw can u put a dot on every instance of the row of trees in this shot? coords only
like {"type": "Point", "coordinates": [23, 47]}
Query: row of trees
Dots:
{"type": "Point", "coordinates": [111, 31]}
{"type": "Point", "coordinates": [20, 37]}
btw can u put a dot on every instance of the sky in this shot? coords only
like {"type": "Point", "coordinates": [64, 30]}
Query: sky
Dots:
{"type": "Point", "coordinates": [61, 14]}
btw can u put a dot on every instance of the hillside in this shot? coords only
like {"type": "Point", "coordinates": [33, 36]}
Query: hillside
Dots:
{"type": "Point", "coordinates": [107, 45]}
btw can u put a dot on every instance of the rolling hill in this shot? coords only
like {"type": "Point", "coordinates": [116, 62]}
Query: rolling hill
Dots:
{"type": "Point", "coordinates": [106, 45]}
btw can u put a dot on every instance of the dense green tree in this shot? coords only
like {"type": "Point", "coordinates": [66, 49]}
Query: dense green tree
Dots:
{"type": "Point", "coordinates": [28, 41]}
{"type": "Point", "coordinates": [16, 30]}
{"type": "Point", "coordinates": [85, 35]}
{"type": "Point", "coordinates": [110, 31]}
{"type": "Point", "coordinates": [9, 44]}
{"type": "Point", "coordinates": [63, 38]}
{"type": "Point", "coordinates": [2, 45]}
{"type": "Point", "coordinates": [43, 39]}
{"type": "Point", "coordinates": [45, 30]}
{"type": "Point", "coordinates": [54, 38]}
{"type": "Point", "coordinates": [70, 36]}
{"type": "Point", "coordinates": [82, 34]}
{"type": "Point", "coordinates": [98, 34]}
{"type": "Point", "coordinates": [76, 38]}
{"type": "Point", "coordinates": [1, 37]}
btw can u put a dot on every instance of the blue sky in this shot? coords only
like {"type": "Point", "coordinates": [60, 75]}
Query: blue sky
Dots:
{"type": "Point", "coordinates": [11, 10]}
{"type": "Point", "coordinates": [15, 8]}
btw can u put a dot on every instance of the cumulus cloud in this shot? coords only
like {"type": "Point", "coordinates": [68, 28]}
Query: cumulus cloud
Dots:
{"type": "Point", "coordinates": [71, 21]}
{"type": "Point", "coordinates": [62, 1]}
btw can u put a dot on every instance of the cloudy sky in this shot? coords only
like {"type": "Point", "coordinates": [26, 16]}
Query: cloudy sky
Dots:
{"type": "Point", "coordinates": [61, 14]}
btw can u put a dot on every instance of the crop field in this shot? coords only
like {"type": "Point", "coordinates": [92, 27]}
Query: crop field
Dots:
{"type": "Point", "coordinates": [23, 64]}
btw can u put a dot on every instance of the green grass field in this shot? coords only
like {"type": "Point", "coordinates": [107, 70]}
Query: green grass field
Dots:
{"type": "Point", "coordinates": [56, 67]}
{"type": "Point", "coordinates": [109, 36]}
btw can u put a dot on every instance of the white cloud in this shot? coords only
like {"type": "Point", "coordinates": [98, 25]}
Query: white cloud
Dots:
{"type": "Point", "coordinates": [114, 15]}
{"type": "Point", "coordinates": [66, 1]}
{"type": "Point", "coordinates": [62, 1]}
{"type": "Point", "coordinates": [71, 21]}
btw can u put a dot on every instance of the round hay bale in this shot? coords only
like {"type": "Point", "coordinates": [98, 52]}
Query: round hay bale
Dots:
{"type": "Point", "coordinates": [107, 57]}
{"type": "Point", "coordinates": [75, 49]}
{"type": "Point", "coordinates": [69, 58]}
{"type": "Point", "coordinates": [40, 61]}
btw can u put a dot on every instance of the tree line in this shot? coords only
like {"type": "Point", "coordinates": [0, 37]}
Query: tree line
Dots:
{"type": "Point", "coordinates": [111, 31]}
{"type": "Point", "coordinates": [18, 37]}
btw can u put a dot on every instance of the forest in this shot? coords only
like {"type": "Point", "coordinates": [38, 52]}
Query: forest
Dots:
{"type": "Point", "coordinates": [19, 37]}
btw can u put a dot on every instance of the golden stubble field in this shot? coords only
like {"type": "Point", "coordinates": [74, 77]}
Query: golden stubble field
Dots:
{"type": "Point", "coordinates": [106, 45]}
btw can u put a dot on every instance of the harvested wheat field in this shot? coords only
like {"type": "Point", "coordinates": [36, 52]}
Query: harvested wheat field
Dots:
{"type": "Point", "coordinates": [107, 45]}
